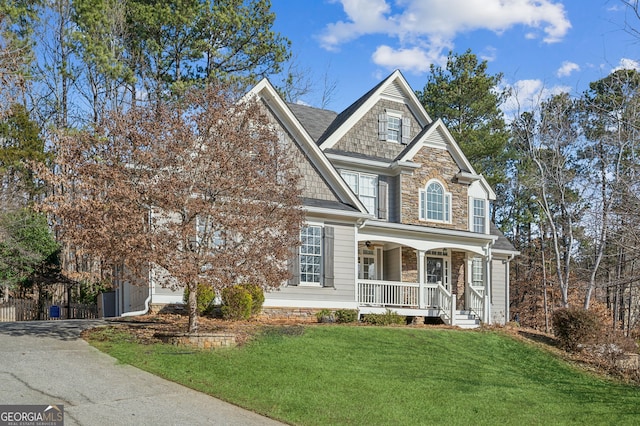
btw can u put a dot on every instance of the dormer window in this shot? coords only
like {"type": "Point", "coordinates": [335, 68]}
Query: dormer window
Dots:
{"type": "Point", "coordinates": [435, 203]}
{"type": "Point", "coordinates": [393, 127]}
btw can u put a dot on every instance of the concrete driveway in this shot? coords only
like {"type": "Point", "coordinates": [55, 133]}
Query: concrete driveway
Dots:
{"type": "Point", "coordinates": [47, 363]}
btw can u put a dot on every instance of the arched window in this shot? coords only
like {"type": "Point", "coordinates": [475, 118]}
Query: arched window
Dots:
{"type": "Point", "coordinates": [435, 203]}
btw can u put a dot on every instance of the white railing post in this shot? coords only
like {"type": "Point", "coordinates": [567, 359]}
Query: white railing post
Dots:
{"type": "Point", "coordinates": [421, 280]}
{"type": "Point", "coordinates": [452, 306]}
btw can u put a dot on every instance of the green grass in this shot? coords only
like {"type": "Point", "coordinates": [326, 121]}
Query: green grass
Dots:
{"type": "Point", "coordinates": [342, 375]}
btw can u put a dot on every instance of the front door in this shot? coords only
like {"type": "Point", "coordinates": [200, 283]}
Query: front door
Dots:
{"type": "Point", "coordinates": [437, 271]}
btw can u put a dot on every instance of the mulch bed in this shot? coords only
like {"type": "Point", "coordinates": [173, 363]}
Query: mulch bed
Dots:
{"type": "Point", "coordinates": [146, 327]}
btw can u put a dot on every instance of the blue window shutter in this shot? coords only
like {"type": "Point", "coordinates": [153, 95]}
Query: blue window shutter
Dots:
{"type": "Point", "coordinates": [382, 127]}
{"type": "Point", "coordinates": [294, 267]}
{"type": "Point", "coordinates": [328, 258]}
{"type": "Point", "coordinates": [423, 202]}
{"type": "Point", "coordinates": [383, 200]}
{"type": "Point", "coordinates": [406, 130]}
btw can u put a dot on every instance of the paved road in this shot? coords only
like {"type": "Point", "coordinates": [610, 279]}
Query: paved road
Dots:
{"type": "Point", "coordinates": [47, 363]}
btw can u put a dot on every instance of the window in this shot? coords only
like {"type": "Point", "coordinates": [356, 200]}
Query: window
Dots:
{"type": "Point", "coordinates": [311, 254]}
{"type": "Point", "coordinates": [205, 234]}
{"type": "Point", "coordinates": [367, 264]}
{"type": "Point", "coordinates": [435, 203]}
{"type": "Point", "coordinates": [365, 187]}
{"type": "Point", "coordinates": [393, 127]}
{"type": "Point", "coordinates": [479, 215]}
{"type": "Point", "coordinates": [477, 272]}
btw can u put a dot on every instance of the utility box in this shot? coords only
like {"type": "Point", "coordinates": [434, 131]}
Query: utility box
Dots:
{"type": "Point", "coordinates": [54, 311]}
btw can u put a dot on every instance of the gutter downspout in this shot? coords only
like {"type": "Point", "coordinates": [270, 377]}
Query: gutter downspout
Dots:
{"type": "Point", "coordinates": [508, 289]}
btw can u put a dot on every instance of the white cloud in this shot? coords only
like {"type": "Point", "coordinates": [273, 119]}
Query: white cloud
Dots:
{"type": "Point", "coordinates": [627, 64]}
{"type": "Point", "coordinates": [567, 68]}
{"type": "Point", "coordinates": [431, 25]}
{"type": "Point", "coordinates": [526, 95]}
{"type": "Point", "coordinates": [489, 54]}
{"type": "Point", "coordinates": [414, 60]}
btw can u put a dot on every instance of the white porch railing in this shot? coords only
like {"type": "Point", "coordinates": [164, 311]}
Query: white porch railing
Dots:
{"type": "Point", "coordinates": [475, 302]}
{"type": "Point", "coordinates": [388, 293]}
{"type": "Point", "coordinates": [407, 295]}
{"type": "Point", "coordinates": [394, 294]}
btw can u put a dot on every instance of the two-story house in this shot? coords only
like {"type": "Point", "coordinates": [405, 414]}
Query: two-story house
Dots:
{"type": "Point", "coordinates": [397, 218]}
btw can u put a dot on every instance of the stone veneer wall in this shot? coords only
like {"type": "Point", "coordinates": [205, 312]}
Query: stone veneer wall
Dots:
{"type": "Point", "coordinates": [290, 314]}
{"type": "Point", "coordinates": [438, 164]}
{"type": "Point", "coordinates": [458, 277]}
{"type": "Point", "coordinates": [409, 265]}
{"type": "Point", "coordinates": [202, 340]}
{"type": "Point", "coordinates": [362, 138]}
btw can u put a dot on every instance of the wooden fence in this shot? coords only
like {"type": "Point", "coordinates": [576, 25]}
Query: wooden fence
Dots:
{"type": "Point", "coordinates": [27, 310]}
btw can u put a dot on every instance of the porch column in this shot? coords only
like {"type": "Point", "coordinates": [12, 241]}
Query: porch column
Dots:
{"type": "Point", "coordinates": [421, 279]}
{"type": "Point", "coordinates": [487, 289]}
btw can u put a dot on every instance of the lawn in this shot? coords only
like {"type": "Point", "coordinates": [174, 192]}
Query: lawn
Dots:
{"type": "Point", "coordinates": [338, 375]}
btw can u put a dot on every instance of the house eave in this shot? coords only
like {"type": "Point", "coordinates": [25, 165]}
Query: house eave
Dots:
{"type": "Point", "coordinates": [327, 212]}
{"type": "Point", "coordinates": [429, 231]}
{"type": "Point", "coordinates": [467, 178]}
{"type": "Point", "coordinates": [383, 167]}
{"type": "Point", "coordinates": [508, 253]}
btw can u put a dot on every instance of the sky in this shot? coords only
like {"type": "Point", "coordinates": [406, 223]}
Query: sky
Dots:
{"type": "Point", "coordinates": [541, 47]}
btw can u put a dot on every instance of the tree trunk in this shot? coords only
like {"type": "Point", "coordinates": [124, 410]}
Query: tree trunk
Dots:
{"type": "Point", "coordinates": [193, 307]}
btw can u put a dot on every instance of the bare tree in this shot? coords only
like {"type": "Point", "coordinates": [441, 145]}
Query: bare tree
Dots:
{"type": "Point", "coordinates": [610, 109]}
{"type": "Point", "coordinates": [549, 139]}
{"type": "Point", "coordinates": [201, 191]}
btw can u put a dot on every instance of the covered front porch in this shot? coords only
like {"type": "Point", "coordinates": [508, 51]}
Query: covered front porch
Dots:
{"type": "Point", "coordinates": [432, 280]}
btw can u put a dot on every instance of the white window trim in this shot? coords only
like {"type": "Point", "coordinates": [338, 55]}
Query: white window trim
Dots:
{"type": "Point", "coordinates": [344, 172]}
{"type": "Point", "coordinates": [474, 261]}
{"type": "Point", "coordinates": [472, 227]}
{"type": "Point", "coordinates": [302, 283]}
{"type": "Point", "coordinates": [398, 115]}
{"type": "Point", "coordinates": [446, 200]}
{"type": "Point", "coordinates": [404, 127]}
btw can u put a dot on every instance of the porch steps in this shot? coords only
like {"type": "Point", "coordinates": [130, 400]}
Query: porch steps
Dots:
{"type": "Point", "coordinates": [466, 319]}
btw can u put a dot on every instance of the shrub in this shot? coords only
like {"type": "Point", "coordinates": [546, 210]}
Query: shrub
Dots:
{"type": "Point", "coordinates": [257, 297]}
{"type": "Point", "coordinates": [205, 297]}
{"type": "Point", "coordinates": [236, 303]}
{"type": "Point", "coordinates": [325, 315]}
{"type": "Point", "coordinates": [388, 318]}
{"type": "Point", "coordinates": [346, 315]}
{"type": "Point", "coordinates": [575, 326]}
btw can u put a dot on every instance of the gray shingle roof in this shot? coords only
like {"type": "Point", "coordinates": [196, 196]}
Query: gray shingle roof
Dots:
{"type": "Point", "coordinates": [314, 120]}
{"type": "Point", "coordinates": [502, 243]}
{"type": "Point", "coordinates": [313, 202]}
{"type": "Point", "coordinates": [344, 115]}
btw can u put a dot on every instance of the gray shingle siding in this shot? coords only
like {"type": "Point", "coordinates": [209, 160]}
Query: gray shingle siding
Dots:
{"type": "Point", "coordinates": [344, 259]}
{"type": "Point", "coordinates": [362, 138]}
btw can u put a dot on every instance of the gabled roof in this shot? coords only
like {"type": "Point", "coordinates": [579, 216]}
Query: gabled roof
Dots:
{"type": "Point", "coordinates": [450, 144]}
{"type": "Point", "coordinates": [393, 87]}
{"type": "Point", "coordinates": [314, 120]}
{"type": "Point", "coordinates": [265, 91]}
